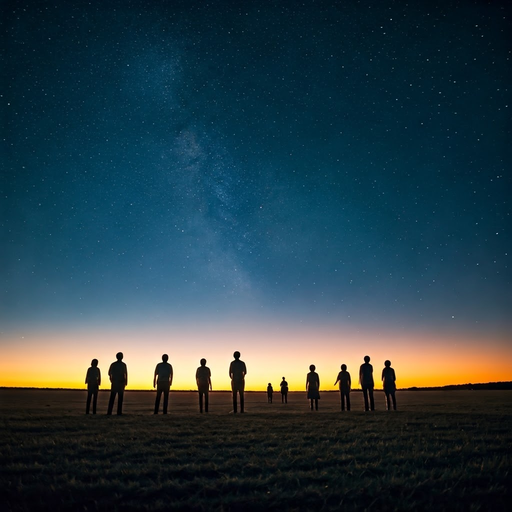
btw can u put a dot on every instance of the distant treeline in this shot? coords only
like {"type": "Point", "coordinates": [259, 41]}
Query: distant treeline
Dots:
{"type": "Point", "coordinates": [455, 387]}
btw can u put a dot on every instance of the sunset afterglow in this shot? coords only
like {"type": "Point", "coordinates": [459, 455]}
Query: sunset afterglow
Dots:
{"type": "Point", "coordinates": [61, 359]}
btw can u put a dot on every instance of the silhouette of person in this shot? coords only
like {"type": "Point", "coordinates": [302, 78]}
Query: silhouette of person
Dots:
{"type": "Point", "coordinates": [237, 372]}
{"type": "Point", "coordinates": [345, 384]}
{"type": "Point", "coordinates": [270, 390]}
{"type": "Point", "coordinates": [204, 384]}
{"type": "Point", "coordinates": [366, 381]}
{"type": "Point", "coordinates": [284, 391]}
{"type": "Point", "coordinates": [162, 380]}
{"type": "Point", "coordinates": [389, 382]}
{"type": "Point", "coordinates": [93, 381]}
{"type": "Point", "coordinates": [313, 386]}
{"type": "Point", "coordinates": [118, 374]}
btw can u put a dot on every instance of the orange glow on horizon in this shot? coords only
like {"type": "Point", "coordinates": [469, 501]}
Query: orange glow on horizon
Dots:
{"type": "Point", "coordinates": [60, 360]}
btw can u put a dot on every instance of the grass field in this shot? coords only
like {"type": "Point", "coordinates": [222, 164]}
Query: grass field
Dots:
{"type": "Point", "coordinates": [442, 450]}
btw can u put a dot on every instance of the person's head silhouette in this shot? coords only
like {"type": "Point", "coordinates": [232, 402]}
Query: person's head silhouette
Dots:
{"type": "Point", "coordinates": [366, 359]}
{"type": "Point", "coordinates": [94, 362]}
{"type": "Point", "coordinates": [236, 355]}
{"type": "Point", "coordinates": [312, 367]}
{"type": "Point", "coordinates": [284, 378]}
{"type": "Point", "coordinates": [387, 363]}
{"type": "Point", "coordinates": [203, 362]}
{"type": "Point", "coordinates": [343, 367]}
{"type": "Point", "coordinates": [119, 356]}
{"type": "Point", "coordinates": [165, 358]}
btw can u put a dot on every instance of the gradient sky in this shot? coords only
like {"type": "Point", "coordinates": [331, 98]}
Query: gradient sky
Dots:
{"type": "Point", "coordinates": [306, 182]}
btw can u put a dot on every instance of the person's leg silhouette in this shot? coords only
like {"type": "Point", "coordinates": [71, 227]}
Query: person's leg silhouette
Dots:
{"type": "Point", "coordinates": [111, 401]}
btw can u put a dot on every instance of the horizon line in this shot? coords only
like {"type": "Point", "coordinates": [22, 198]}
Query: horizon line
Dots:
{"type": "Point", "coordinates": [411, 388]}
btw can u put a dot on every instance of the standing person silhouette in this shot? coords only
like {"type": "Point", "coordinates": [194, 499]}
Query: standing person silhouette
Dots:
{"type": "Point", "coordinates": [204, 384]}
{"type": "Point", "coordinates": [118, 374]}
{"type": "Point", "coordinates": [313, 386]}
{"type": "Point", "coordinates": [345, 384]}
{"type": "Point", "coordinates": [162, 380]}
{"type": "Point", "coordinates": [389, 382]}
{"type": "Point", "coordinates": [93, 381]}
{"type": "Point", "coordinates": [270, 391]}
{"type": "Point", "coordinates": [284, 391]}
{"type": "Point", "coordinates": [237, 372]}
{"type": "Point", "coordinates": [366, 381]}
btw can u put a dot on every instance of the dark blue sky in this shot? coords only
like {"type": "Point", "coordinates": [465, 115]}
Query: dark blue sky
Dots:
{"type": "Point", "coordinates": [308, 161]}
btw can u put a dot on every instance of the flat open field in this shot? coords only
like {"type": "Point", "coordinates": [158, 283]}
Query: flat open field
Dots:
{"type": "Point", "coordinates": [442, 450]}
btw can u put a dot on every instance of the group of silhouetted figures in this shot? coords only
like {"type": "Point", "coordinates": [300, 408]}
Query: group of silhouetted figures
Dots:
{"type": "Point", "coordinates": [163, 375]}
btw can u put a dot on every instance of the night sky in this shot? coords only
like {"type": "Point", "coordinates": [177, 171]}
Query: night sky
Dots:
{"type": "Point", "coordinates": [181, 165]}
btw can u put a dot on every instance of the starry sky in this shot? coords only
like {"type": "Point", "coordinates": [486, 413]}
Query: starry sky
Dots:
{"type": "Point", "coordinates": [305, 182]}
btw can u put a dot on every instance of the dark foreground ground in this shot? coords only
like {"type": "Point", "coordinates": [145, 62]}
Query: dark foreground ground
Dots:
{"type": "Point", "coordinates": [442, 450]}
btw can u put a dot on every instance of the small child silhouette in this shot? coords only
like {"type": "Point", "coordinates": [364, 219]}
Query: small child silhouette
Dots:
{"type": "Point", "coordinates": [270, 390]}
{"type": "Point", "coordinates": [345, 383]}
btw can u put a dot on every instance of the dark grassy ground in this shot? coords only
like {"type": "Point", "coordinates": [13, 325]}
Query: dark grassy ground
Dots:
{"type": "Point", "coordinates": [440, 451]}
